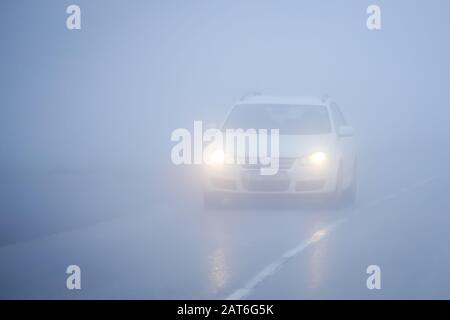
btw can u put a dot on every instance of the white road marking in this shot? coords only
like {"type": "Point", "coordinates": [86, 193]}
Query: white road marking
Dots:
{"type": "Point", "coordinates": [275, 266]}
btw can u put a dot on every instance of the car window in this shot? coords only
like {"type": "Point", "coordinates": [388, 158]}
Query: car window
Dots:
{"type": "Point", "coordinates": [289, 119]}
{"type": "Point", "coordinates": [338, 117]}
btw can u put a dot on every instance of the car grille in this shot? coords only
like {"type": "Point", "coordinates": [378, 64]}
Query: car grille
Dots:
{"type": "Point", "coordinates": [284, 164]}
{"type": "Point", "coordinates": [253, 181]}
{"type": "Point", "coordinates": [268, 186]}
{"type": "Point", "coordinates": [309, 185]}
{"type": "Point", "coordinates": [224, 184]}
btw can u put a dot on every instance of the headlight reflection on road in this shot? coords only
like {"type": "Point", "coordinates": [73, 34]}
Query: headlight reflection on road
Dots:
{"type": "Point", "coordinates": [219, 273]}
{"type": "Point", "coordinates": [316, 261]}
{"type": "Point", "coordinates": [218, 259]}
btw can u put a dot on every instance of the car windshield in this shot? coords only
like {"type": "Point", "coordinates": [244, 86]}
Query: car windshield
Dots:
{"type": "Point", "coordinates": [289, 119]}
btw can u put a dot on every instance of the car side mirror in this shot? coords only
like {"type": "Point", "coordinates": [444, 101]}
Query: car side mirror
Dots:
{"type": "Point", "coordinates": [346, 131]}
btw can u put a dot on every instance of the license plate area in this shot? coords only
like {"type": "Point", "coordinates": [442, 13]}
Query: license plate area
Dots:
{"type": "Point", "coordinates": [254, 181]}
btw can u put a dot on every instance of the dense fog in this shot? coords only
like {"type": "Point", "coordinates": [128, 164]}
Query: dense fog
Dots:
{"type": "Point", "coordinates": [86, 118]}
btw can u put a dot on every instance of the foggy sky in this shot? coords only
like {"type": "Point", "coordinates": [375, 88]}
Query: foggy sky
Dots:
{"type": "Point", "coordinates": [110, 94]}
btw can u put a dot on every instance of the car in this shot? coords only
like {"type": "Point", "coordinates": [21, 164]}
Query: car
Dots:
{"type": "Point", "coordinates": [317, 154]}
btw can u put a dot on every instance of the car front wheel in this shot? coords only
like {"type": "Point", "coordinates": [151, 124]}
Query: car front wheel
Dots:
{"type": "Point", "coordinates": [350, 193]}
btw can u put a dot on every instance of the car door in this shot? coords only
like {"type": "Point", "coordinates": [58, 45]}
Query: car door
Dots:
{"type": "Point", "coordinates": [345, 143]}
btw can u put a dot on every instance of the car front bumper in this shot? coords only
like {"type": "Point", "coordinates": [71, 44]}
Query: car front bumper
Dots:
{"type": "Point", "coordinates": [237, 179]}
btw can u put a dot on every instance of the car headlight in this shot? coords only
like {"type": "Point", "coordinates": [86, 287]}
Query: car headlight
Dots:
{"type": "Point", "coordinates": [314, 159]}
{"type": "Point", "coordinates": [215, 157]}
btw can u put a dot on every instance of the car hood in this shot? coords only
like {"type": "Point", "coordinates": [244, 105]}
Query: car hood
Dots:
{"type": "Point", "coordinates": [301, 145]}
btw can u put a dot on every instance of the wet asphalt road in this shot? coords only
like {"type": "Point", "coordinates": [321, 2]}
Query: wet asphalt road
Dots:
{"type": "Point", "coordinates": [130, 243]}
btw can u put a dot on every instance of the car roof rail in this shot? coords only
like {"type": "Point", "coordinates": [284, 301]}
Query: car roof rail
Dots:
{"type": "Point", "coordinates": [250, 94]}
{"type": "Point", "coordinates": [325, 97]}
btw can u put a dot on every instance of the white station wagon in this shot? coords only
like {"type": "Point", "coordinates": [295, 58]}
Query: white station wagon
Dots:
{"type": "Point", "coordinates": [316, 151]}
